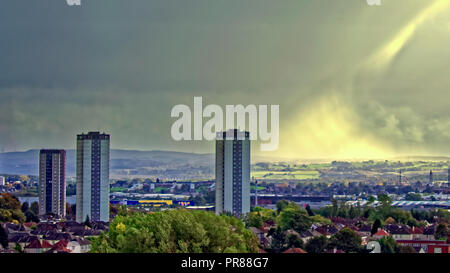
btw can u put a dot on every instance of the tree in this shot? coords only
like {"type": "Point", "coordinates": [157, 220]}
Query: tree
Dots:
{"type": "Point", "coordinates": [316, 244]}
{"type": "Point", "coordinates": [292, 240]}
{"type": "Point", "coordinates": [87, 221]}
{"type": "Point", "coordinates": [294, 218]}
{"type": "Point", "coordinates": [175, 231]}
{"type": "Point", "coordinates": [406, 249]}
{"type": "Point", "coordinates": [384, 199]}
{"type": "Point", "coordinates": [413, 197]}
{"type": "Point", "coordinates": [278, 239]}
{"type": "Point", "coordinates": [335, 208]}
{"type": "Point", "coordinates": [8, 201]}
{"type": "Point", "coordinates": [281, 205]}
{"type": "Point", "coordinates": [31, 217]}
{"type": "Point", "coordinates": [441, 232]}
{"type": "Point", "coordinates": [354, 212]}
{"type": "Point", "coordinates": [308, 209]}
{"type": "Point", "coordinates": [347, 240]}
{"type": "Point", "coordinates": [35, 207]}
{"type": "Point", "coordinates": [388, 245]}
{"type": "Point", "coordinates": [376, 225]}
{"type": "Point", "coordinates": [10, 209]}
{"type": "Point", "coordinates": [253, 219]}
{"type": "Point", "coordinates": [25, 207]}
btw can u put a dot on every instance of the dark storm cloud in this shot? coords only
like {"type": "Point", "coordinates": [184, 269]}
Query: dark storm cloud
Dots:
{"type": "Point", "coordinates": [120, 66]}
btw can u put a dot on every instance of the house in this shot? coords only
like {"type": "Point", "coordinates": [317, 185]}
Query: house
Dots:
{"type": "Point", "coordinates": [428, 233]}
{"type": "Point", "coordinates": [74, 247]}
{"type": "Point", "coordinates": [59, 249]}
{"type": "Point", "coordinates": [85, 245]}
{"type": "Point", "coordinates": [399, 232]}
{"type": "Point", "coordinates": [37, 247]}
{"type": "Point", "coordinates": [58, 236]}
{"type": "Point", "coordinates": [380, 234]}
{"type": "Point", "coordinates": [327, 230]}
{"type": "Point", "coordinates": [417, 234]}
{"type": "Point", "coordinates": [307, 235]}
{"type": "Point", "coordinates": [364, 230]}
{"type": "Point", "coordinates": [20, 239]}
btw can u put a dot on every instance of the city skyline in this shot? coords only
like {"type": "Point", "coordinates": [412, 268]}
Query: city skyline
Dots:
{"type": "Point", "coordinates": [372, 89]}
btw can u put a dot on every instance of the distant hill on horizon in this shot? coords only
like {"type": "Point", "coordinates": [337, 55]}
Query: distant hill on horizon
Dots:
{"type": "Point", "coordinates": [123, 162]}
{"type": "Point", "coordinates": [157, 163]}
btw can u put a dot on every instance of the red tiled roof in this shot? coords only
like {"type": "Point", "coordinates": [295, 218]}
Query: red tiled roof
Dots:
{"type": "Point", "coordinates": [416, 230]}
{"type": "Point", "coordinates": [59, 248]}
{"type": "Point", "coordinates": [46, 244]}
{"type": "Point", "coordinates": [294, 250]}
{"type": "Point", "coordinates": [62, 243]}
{"type": "Point", "coordinates": [34, 244]}
{"type": "Point", "coordinates": [381, 232]}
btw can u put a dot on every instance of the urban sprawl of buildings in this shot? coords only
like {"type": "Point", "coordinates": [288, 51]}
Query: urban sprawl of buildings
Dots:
{"type": "Point", "coordinates": [232, 191]}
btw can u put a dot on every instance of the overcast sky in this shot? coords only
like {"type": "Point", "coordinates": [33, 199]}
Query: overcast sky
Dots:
{"type": "Point", "coordinates": [352, 80]}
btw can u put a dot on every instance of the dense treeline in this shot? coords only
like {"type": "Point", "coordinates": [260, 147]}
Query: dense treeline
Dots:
{"type": "Point", "coordinates": [383, 212]}
{"type": "Point", "coordinates": [175, 231]}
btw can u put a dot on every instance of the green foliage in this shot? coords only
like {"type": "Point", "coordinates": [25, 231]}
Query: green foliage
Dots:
{"type": "Point", "coordinates": [354, 212]}
{"type": "Point", "coordinates": [258, 216]}
{"type": "Point", "coordinates": [25, 207]}
{"type": "Point", "coordinates": [430, 215]}
{"type": "Point", "coordinates": [175, 231]}
{"type": "Point", "coordinates": [253, 219]}
{"type": "Point", "coordinates": [292, 240]}
{"type": "Point", "coordinates": [7, 201]}
{"type": "Point", "coordinates": [278, 239]}
{"type": "Point", "coordinates": [441, 232]}
{"type": "Point", "coordinates": [384, 199]}
{"type": "Point", "coordinates": [31, 217]}
{"type": "Point", "coordinates": [10, 209]}
{"type": "Point", "coordinates": [18, 248]}
{"type": "Point", "coordinates": [413, 197]}
{"type": "Point", "coordinates": [388, 245]}
{"type": "Point", "coordinates": [406, 249]}
{"type": "Point", "coordinates": [321, 220]}
{"type": "Point", "coordinates": [347, 240]}
{"type": "Point", "coordinates": [308, 209]}
{"type": "Point", "coordinates": [35, 207]}
{"type": "Point", "coordinates": [87, 221]}
{"type": "Point", "coordinates": [281, 205]}
{"type": "Point", "coordinates": [316, 244]}
{"type": "Point", "coordinates": [293, 217]}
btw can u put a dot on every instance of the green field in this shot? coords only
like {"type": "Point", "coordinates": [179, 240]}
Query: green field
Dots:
{"type": "Point", "coordinates": [285, 175]}
{"type": "Point", "coordinates": [117, 189]}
